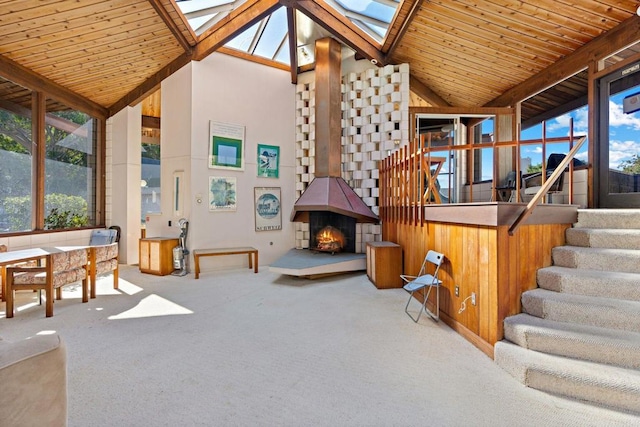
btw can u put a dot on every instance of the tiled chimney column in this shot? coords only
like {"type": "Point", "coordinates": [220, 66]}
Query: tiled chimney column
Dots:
{"type": "Point", "coordinates": [375, 115]}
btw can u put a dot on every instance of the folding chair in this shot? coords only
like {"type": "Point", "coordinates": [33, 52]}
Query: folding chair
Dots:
{"type": "Point", "coordinates": [422, 281]}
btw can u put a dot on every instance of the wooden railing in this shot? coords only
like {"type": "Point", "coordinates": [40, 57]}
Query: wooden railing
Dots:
{"type": "Point", "coordinates": [407, 183]}
{"type": "Point", "coordinates": [544, 189]}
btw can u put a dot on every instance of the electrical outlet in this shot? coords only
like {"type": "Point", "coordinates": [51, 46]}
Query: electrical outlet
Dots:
{"type": "Point", "coordinates": [473, 298]}
{"type": "Point", "coordinates": [457, 290]}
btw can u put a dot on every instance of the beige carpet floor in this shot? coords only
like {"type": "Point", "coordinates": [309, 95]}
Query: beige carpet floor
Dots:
{"type": "Point", "coordinates": [236, 348]}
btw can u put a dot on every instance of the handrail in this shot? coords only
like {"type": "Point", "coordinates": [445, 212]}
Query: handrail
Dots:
{"type": "Point", "coordinates": [546, 185]}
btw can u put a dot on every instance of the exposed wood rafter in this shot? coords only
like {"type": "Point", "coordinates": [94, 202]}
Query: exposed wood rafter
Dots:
{"type": "Point", "coordinates": [162, 12]}
{"type": "Point", "coordinates": [233, 24]}
{"type": "Point", "coordinates": [293, 50]}
{"type": "Point", "coordinates": [27, 78]}
{"type": "Point", "coordinates": [424, 92]}
{"type": "Point", "coordinates": [404, 26]}
{"type": "Point", "coordinates": [150, 85]}
{"type": "Point", "coordinates": [325, 16]}
{"type": "Point", "coordinates": [619, 37]}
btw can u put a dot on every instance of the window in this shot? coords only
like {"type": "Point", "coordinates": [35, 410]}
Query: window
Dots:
{"type": "Point", "coordinates": [70, 153]}
{"type": "Point", "coordinates": [51, 185]}
{"type": "Point", "coordinates": [150, 183]}
{"type": "Point", "coordinates": [16, 158]}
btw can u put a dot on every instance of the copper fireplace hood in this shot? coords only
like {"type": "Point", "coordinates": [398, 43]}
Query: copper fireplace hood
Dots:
{"type": "Point", "coordinates": [328, 191]}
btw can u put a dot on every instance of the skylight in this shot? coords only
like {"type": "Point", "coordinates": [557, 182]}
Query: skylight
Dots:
{"type": "Point", "coordinates": [372, 16]}
{"type": "Point", "coordinates": [202, 14]}
{"type": "Point", "coordinates": [269, 37]}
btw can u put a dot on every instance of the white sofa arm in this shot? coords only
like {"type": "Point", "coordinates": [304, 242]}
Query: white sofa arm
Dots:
{"type": "Point", "coordinates": [33, 382]}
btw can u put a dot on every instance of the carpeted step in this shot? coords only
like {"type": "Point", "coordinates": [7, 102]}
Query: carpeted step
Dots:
{"type": "Point", "coordinates": [594, 311]}
{"type": "Point", "coordinates": [597, 383]}
{"type": "Point", "coordinates": [608, 218]}
{"type": "Point", "coordinates": [601, 345]}
{"type": "Point", "coordinates": [595, 283]}
{"type": "Point", "coordinates": [604, 238]}
{"type": "Point", "coordinates": [625, 260]}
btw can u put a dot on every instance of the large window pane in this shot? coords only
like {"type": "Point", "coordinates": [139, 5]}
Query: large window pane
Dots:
{"type": "Point", "coordinates": [150, 173]}
{"type": "Point", "coordinates": [70, 168]}
{"type": "Point", "coordinates": [16, 203]}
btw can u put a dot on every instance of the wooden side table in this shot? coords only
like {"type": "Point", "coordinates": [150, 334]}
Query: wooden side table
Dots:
{"type": "Point", "coordinates": [156, 255]}
{"type": "Point", "coordinates": [384, 264]}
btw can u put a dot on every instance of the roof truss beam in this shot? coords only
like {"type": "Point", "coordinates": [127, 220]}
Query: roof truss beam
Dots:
{"type": "Point", "coordinates": [233, 24]}
{"type": "Point", "coordinates": [164, 15]}
{"type": "Point", "coordinates": [331, 20]}
{"type": "Point", "coordinates": [614, 40]}
{"type": "Point", "coordinates": [29, 79]}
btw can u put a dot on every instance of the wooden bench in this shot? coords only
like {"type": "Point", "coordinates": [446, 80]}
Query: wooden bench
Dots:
{"type": "Point", "coordinates": [198, 253]}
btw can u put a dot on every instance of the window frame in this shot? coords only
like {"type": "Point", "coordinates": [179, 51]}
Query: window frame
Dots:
{"type": "Point", "coordinates": [38, 114]}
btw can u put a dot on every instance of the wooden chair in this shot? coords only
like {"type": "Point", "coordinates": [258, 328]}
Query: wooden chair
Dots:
{"type": "Point", "coordinates": [103, 259]}
{"type": "Point", "coordinates": [63, 268]}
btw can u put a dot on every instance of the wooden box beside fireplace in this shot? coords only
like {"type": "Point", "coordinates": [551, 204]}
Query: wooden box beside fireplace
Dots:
{"type": "Point", "coordinates": [384, 264]}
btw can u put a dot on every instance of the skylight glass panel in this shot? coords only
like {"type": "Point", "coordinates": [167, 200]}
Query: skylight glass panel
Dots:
{"type": "Point", "coordinates": [370, 8]}
{"type": "Point", "coordinates": [202, 14]}
{"type": "Point", "coordinates": [273, 34]}
{"type": "Point", "coordinates": [243, 40]}
{"type": "Point", "coordinates": [372, 16]}
{"type": "Point", "coordinates": [283, 54]}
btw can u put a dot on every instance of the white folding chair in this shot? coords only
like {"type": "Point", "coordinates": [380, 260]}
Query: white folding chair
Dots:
{"type": "Point", "coordinates": [423, 281]}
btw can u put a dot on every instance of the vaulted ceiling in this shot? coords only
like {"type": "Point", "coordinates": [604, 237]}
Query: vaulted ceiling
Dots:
{"type": "Point", "coordinates": [106, 54]}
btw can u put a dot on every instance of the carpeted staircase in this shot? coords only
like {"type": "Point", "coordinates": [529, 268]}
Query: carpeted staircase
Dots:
{"type": "Point", "coordinates": [579, 333]}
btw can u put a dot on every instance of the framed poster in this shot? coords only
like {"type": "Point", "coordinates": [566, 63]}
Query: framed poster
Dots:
{"type": "Point", "coordinates": [226, 146]}
{"type": "Point", "coordinates": [267, 208]}
{"type": "Point", "coordinates": [268, 160]}
{"type": "Point", "coordinates": [222, 194]}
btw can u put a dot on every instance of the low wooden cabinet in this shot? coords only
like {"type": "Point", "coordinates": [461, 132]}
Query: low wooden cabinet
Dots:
{"type": "Point", "coordinates": [156, 255]}
{"type": "Point", "coordinates": [384, 264]}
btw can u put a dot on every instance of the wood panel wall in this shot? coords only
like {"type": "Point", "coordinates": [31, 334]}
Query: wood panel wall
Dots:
{"type": "Point", "coordinates": [480, 259]}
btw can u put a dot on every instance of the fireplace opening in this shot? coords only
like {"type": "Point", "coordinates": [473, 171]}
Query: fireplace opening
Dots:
{"type": "Point", "coordinates": [330, 239]}
{"type": "Point", "coordinates": [332, 232]}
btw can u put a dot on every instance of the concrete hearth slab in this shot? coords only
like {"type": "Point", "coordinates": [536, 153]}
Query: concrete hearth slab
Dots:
{"type": "Point", "coordinates": [311, 264]}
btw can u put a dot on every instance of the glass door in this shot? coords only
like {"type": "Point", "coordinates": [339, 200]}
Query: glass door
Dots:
{"type": "Point", "coordinates": [617, 173]}
{"type": "Point", "coordinates": [439, 133]}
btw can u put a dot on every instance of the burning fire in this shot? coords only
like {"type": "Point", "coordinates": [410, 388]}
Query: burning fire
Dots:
{"type": "Point", "coordinates": [330, 239]}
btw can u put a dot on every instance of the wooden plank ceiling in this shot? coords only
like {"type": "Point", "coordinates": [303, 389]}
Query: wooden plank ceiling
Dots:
{"type": "Point", "coordinates": [462, 53]}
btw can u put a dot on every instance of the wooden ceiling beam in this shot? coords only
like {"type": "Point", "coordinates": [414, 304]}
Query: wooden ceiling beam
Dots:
{"type": "Point", "coordinates": [293, 43]}
{"type": "Point", "coordinates": [233, 24]}
{"type": "Point", "coordinates": [614, 40]}
{"type": "Point", "coordinates": [426, 93]}
{"type": "Point", "coordinates": [340, 27]}
{"type": "Point", "coordinates": [150, 85]}
{"type": "Point", "coordinates": [50, 119]}
{"type": "Point", "coordinates": [404, 26]}
{"type": "Point", "coordinates": [253, 58]}
{"type": "Point", "coordinates": [24, 77]}
{"type": "Point", "coordinates": [171, 25]}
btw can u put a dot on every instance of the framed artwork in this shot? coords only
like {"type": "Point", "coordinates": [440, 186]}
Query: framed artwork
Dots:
{"type": "Point", "coordinates": [268, 160]}
{"type": "Point", "coordinates": [222, 194]}
{"type": "Point", "coordinates": [267, 208]}
{"type": "Point", "coordinates": [226, 146]}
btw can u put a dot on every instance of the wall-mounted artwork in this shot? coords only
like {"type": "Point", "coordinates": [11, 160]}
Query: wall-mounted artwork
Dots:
{"type": "Point", "coordinates": [268, 160]}
{"type": "Point", "coordinates": [268, 210]}
{"type": "Point", "coordinates": [222, 194]}
{"type": "Point", "coordinates": [226, 146]}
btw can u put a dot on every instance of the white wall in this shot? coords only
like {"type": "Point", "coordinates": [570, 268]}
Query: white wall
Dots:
{"type": "Point", "coordinates": [230, 90]}
{"type": "Point", "coordinates": [124, 137]}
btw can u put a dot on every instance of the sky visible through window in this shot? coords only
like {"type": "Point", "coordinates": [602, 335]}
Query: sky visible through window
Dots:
{"type": "Point", "coordinates": [268, 39]}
